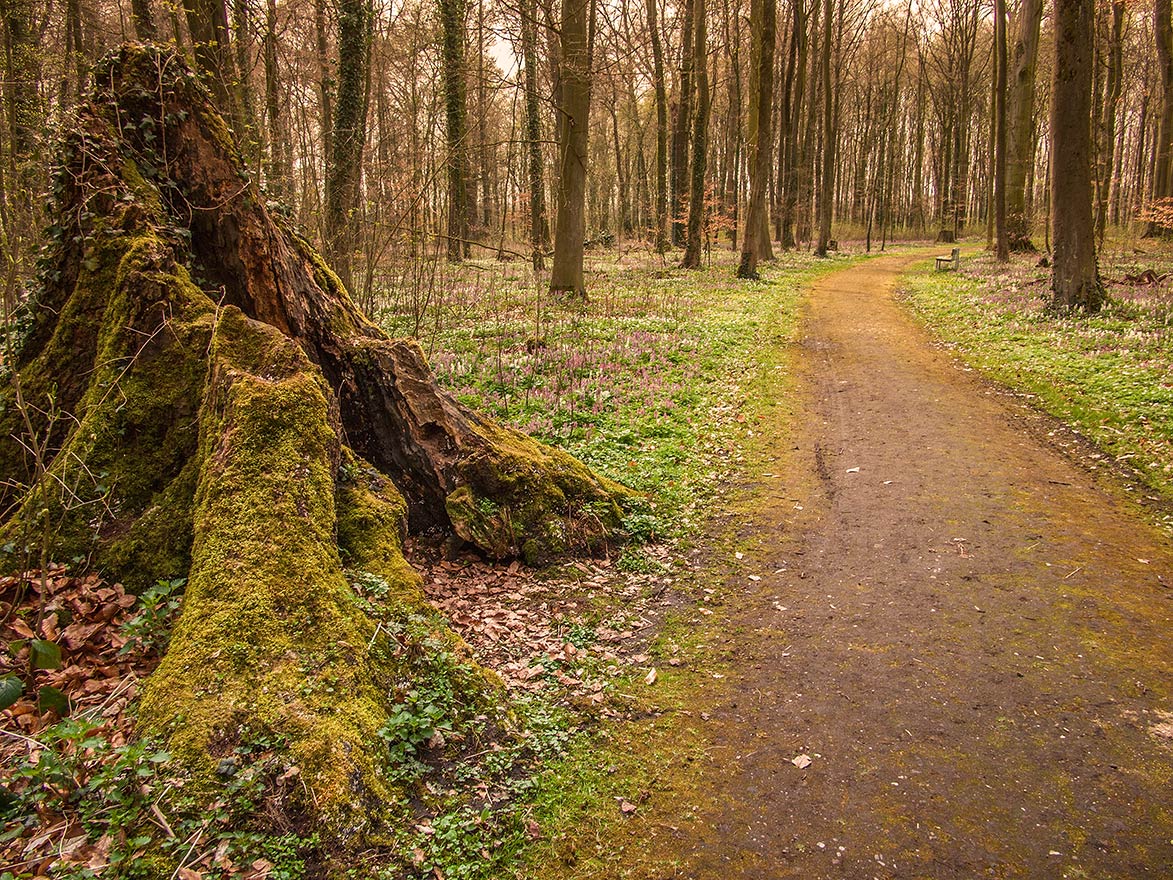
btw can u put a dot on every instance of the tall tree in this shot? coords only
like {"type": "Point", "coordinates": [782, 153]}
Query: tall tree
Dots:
{"type": "Point", "coordinates": [756, 241]}
{"type": "Point", "coordinates": [1107, 127]}
{"type": "Point", "coordinates": [700, 139]}
{"type": "Point", "coordinates": [1020, 122]}
{"type": "Point", "coordinates": [661, 235]}
{"type": "Point", "coordinates": [344, 173]}
{"type": "Point", "coordinates": [144, 20]}
{"type": "Point", "coordinates": [207, 22]}
{"type": "Point", "coordinates": [452, 14]}
{"type": "Point", "coordinates": [1163, 154]}
{"type": "Point", "coordinates": [539, 230]}
{"type": "Point", "coordinates": [1075, 280]}
{"type": "Point", "coordinates": [1003, 245]}
{"type": "Point", "coordinates": [826, 195]}
{"type": "Point", "coordinates": [680, 124]}
{"type": "Point", "coordinates": [578, 25]}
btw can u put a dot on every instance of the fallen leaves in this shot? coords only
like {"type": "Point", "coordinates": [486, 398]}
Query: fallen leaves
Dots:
{"type": "Point", "coordinates": [801, 761]}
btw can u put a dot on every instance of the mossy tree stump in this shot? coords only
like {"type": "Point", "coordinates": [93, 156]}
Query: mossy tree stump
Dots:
{"type": "Point", "coordinates": [207, 400]}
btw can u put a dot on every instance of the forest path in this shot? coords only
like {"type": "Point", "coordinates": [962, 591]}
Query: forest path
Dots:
{"type": "Point", "coordinates": [967, 634]}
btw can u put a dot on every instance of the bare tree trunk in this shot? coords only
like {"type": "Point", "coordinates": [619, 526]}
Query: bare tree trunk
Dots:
{"type": "Point", "coordinates": [1003, 244]}
{"type": "Point", "coordinates": [278, 170]}
{"type": "Point", "coordinates": [539, 229]}
{"type": "Point", "coordinates": [680, 124]}
{"type": "Point", "coordinates": [827, 180]}
{"type": "Point", "coordinates": [1112, 90]}
{"type": "Point", "coordinates": [325, 80]}
{"type": "Point", "coordinates": [763, 25]}
{"type": "Point", "coordinates": [1162, 186]}
{"type": "Point", "coordinates": [578, 19]}
{"type": "Point", "coordinates": [792, 96]}
{"type": "Point", "coordinates": [1020, 124]}
{"type": "Point", "coordinates": [344, 173]}
{"type": "Point", "coordinates": [452, 22]}
{"type": "Point", "coordinates": [1075, 281]}
{"type": "Point", "coordinates": [700, 140]}
{"type": "Point", "coordinates": [661, 236]}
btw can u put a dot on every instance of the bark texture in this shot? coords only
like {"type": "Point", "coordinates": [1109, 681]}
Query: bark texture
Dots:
{"type": "Point", "coordinates": [1020, 124]}
{"type": "Point", "coordinates": [566, 277]}
{"type": "Point", "coordinates": [756, 244]}
{"type": "Point", "coordinates": [212, 403]}
{"type": "Point", "coordinates": [1075, 280]}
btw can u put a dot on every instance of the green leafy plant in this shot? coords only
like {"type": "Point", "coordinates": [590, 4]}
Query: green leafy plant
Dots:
{"type": "Point", "coordinates": [157, 606]}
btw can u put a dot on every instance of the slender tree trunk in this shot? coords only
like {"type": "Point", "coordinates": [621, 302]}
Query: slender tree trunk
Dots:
{"type": "Point", "coordinates": [1075, 281]}
{"type": "Point", "coordinates": [795, 154]}
{"type": "Point", "coordinates": [763, 25]}
{"type": "Point", "coordinates": [1020, 123]}
{"type": "Point", "coordinates": [1162, 177]}
{"type": "Point", "coordinates": [680, 125]}
{"type": "Point", "coordinates": [566, 278]}
{"type": "Point", "coordinates": [539, 230]}
{"type": "Point", "coordinates": [452, 23]}
{"type": "Point", "coordinates": [827, 180]}
{"type": "Point", "coordinates": [344, 173]}
{"type": "Point", "coordinates": [1003, 244]}
{"type": "Point", "coordinates": [700, 140]}
{"type": "Point", "coordinates": [325, 79]}
{"type": "Point", "coordinates": [278, 169]}
{"type": "Point", "coordinates": [1108, 128]}
{"type": "Point", "coordinates": [144, 20]}
{"type": "Point", "coordinates": [661, 236]}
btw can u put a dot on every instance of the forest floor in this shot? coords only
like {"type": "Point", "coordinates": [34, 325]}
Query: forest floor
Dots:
{"type": "Point", "coordinates": [943, 639]}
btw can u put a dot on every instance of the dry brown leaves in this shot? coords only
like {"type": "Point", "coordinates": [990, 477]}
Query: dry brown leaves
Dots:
{"type": "Point", "coordinates": [84, 617]}
{"type": "Point", "coordinates": [524, 624]}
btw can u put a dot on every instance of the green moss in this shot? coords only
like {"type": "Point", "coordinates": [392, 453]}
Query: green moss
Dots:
{"type": "Point", "coordinates": [520, 497]}
{"type": "Point", "coordinates": [372, 524]}
{"type": "Point", "coordinates": [120, 487]}
{"type": "Point", "coordinates": [270, 636]}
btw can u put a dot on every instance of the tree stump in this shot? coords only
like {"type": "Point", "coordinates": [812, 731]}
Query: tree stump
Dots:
{"type": "Point", "coordinates": [196, 393]}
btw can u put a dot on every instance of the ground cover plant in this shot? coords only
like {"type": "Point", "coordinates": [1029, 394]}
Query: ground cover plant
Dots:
{"type": "Point", "coordinates": [1107, 375]}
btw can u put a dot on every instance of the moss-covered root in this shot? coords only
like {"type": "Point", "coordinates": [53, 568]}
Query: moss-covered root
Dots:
{"type": "Point", "coordinates": [270, 637]}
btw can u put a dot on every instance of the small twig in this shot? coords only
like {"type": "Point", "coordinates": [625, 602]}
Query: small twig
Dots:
{"type": "Point", "coordinates": [1073, 573]}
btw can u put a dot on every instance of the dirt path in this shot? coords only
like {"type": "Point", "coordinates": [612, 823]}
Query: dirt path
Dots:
{"type": "Point", "coordinates": [967, 635]}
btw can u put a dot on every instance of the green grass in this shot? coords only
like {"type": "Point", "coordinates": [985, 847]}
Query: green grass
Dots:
{"type": "Point", "coordinates": [1108, 376]}
{"type": "Point", "coordinates": [645, 383]}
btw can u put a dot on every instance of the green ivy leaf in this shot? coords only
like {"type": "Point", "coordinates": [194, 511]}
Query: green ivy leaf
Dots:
{"type": "Point", "coordinates": [11, 688]}
{"type": "Point", "coordinates": [51, 699]}
{"type": "Point", "coordinates": [45, 654]}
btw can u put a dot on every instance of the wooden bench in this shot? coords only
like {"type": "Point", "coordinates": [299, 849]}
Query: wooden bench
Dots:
{"type": "Point", "coordinates": [953, 261]}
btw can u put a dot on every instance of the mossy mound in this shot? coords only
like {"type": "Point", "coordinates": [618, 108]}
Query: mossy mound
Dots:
{"type": "Point", "coordinates": [177, 408]}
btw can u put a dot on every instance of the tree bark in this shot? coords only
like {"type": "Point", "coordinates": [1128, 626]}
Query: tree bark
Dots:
{"type": "Point", "coordinates": [700, 140]}
{"type": "Point", "coordinates": [1020, 123]}
{"type": "Point", "coordinates": [570, 232]}
{"type": "Point", "coordinates": [1162, 186]}
{"type": "Point", "coordinates": [661, 187]}
{"type": "Point", "coordinates": [539, 229]}
{"type": "Point", "coordinates": [826, 193]}
{"type": "Point", "coordinates": [452, 15]}
{"type": "Point", "coordinates": [1106, 153]}
{"type": "Point", "coordinates": [344, 173]}
{"type": "Point", "coordinates": [680, 125]}
{"type": "Point", "coordinates": [1002, 249]}
{"type": "Point", "coordinates": [763, 26]}
{"type": "Point", "coordinates": [144, 20]}
{"type": "Point", "coordinates": [1075, 281]}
